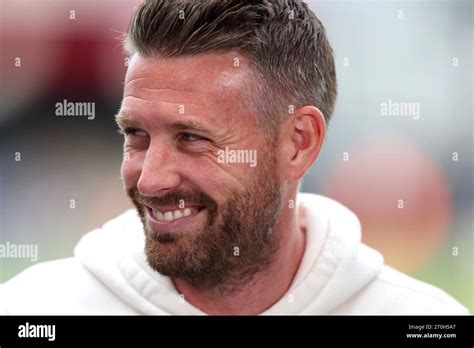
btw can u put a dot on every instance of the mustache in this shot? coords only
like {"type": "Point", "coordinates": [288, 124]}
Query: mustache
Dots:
{"type": "Point", "coordinates": [175, 197]}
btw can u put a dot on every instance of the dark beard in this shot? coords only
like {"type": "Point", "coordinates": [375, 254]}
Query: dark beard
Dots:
{"type": "Point", "coordinates": [236, 244]}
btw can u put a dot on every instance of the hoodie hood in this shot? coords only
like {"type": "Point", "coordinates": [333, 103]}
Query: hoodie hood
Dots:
{"type": "Point", "coordinates": [334, 267]}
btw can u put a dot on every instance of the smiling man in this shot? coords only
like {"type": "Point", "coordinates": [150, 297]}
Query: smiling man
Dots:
{"type": "Point", "coordinates": [214, 234]}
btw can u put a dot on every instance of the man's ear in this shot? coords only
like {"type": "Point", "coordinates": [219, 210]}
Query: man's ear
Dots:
{"type": "Point", "coordinates": [302, 137]}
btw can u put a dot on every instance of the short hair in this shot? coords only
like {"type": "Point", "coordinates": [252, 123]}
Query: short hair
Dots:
{"type": "Point", "coordinates": [286, 44]}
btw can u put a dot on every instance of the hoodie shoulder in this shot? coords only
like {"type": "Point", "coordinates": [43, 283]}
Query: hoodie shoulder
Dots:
{"type": "Point", "coordinates": [67, 286]}
{"type": "Point", "coordinates": [393, 292]}
{"type": "Point", "coordinates": [421, 296]}
{"type": "Point", "coordinates": [56, 287]}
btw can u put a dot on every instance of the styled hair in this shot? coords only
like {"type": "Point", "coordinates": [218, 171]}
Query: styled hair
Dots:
{"type": "Point", "coordinates": [286, 44]}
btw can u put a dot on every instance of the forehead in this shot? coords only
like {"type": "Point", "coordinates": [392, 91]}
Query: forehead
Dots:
{"type": "Point", "coordinates": [216, 75]}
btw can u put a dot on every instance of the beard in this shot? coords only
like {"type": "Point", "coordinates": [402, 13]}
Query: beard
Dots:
{"type": "Point", "coordinates": [235, 244]}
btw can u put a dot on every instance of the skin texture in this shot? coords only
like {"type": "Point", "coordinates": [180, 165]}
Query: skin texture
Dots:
{"type": "Point", "coordinates": [244, 206]}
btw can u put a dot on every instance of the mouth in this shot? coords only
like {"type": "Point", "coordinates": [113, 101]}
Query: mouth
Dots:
{"type": "Point", "coordinates": [168, 219]}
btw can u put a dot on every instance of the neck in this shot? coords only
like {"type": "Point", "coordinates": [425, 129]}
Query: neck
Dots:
{"type": "Point", "coordinates": [267, 287]}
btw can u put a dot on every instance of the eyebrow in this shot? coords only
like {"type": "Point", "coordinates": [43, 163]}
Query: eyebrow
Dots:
{"type": "Point", "coordinates": [125, 121]}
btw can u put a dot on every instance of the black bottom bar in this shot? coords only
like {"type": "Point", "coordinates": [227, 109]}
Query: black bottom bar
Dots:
{"type": "Point", "coordinates": [162, 331]}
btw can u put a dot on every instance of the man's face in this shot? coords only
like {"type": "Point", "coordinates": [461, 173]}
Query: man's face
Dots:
{"type": "Point", "coordinates": [207, 218]}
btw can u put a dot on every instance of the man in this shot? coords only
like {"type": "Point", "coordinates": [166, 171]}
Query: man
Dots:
{"type": "Point", "coordinates": [225, 108]}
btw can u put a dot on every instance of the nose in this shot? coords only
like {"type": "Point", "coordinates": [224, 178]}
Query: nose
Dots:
{"type": "Point", "coordinates": [159, 172]}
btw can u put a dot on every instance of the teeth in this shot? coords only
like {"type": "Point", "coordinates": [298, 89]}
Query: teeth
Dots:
{"type": "Point", "coordinates": [173, 215]}
{"type": "Point", "coordinates": [177, 215]}
{"type": "Point", "coordinates": [159, 216]}
{"type": "Point", "coordinates": [168, 216]}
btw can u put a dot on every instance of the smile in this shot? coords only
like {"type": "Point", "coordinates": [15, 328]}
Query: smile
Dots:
{"type": "Point", "coordinates": [171, 215]}
{"type": "Point", "coordinates": [174, 220]}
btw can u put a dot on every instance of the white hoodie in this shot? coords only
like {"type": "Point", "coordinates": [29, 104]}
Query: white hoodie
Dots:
{"type": "Point", "coordinates": [338, 275]}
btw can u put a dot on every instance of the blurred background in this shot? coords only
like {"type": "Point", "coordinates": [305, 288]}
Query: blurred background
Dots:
{"type": "Point", "coordinates": [409, 177]}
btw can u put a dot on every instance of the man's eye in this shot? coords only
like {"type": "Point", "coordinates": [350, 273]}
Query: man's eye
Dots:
{"type": "Point", "coordinates": [135, 132]}
{"type": "Point", "coordinates": [188, 137]}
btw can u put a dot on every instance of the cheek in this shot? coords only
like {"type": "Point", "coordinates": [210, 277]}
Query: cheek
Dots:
{"type": "Point", "coordinates": [220, 181]}
{"type": "Point", "coordinates": [131, 170]}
